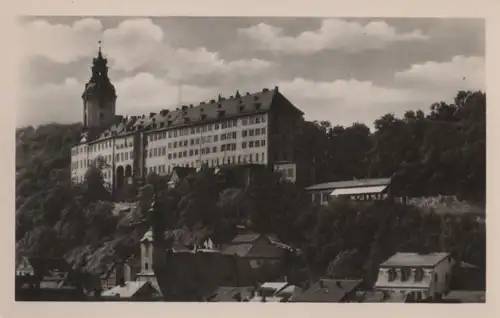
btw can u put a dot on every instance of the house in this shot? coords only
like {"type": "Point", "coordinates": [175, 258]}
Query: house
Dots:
{"type": "Point", "coordinates": [259, 249]}
{"type": "Point", "coordinates": [50, 279]}
{"type": "Point", "coordinates": [179, 174]}
{"type": "Point", "coordinates": [132, 290]}
{"type": "Point", "coordinates": [275, 292]}
{"type": "Point", "coordinates": [415, 277]}
{"type": "Point", "coordinates": [359, 190]}
{"type": "Point", "coordinates": [232, 294]}
{"type": "Point", "coordinates": [238, 175]}
{"type": "Point", "coordinates": [190, 275]}
{"type": "Point", "coordinates": [328, 290]}
{"type": "Point", "coordinates": [120, 271]}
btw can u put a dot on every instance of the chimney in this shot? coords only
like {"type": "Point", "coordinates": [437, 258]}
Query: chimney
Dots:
{"type": "Point", "coordinates": [264, 90]}
{"type": "Point", "coordinates": [151, 114]}
{"type": "Point", "coordinates": [184, 107]}
{"type": "Point", "coordinates": [276, 88]}
{"type": "Point", "coordinates": [190, 105]}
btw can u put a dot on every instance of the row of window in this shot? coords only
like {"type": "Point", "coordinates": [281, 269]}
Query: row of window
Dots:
{"type": "Point", "coordinates": [209, 127]}
{"type": "Point", "coordinates": [250, 158]}
{"type": "Point", "coordinates": [215, 138]}
{"type": "Point", "coordinates": [101, 146]}
{"type": "Point", "coordinates": [185, 132]}
{"type": "Point", "coordinates": [162, 151]}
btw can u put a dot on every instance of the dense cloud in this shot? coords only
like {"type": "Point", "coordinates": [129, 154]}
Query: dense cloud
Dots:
{"type": "Point", "coordinates": [152, 70]}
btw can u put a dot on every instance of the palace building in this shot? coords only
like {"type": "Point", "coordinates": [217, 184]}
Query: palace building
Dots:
{"type": "Point", "coordinates": [257, 128]}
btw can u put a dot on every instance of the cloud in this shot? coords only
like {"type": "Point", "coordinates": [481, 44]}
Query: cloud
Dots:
{"type": "Point", "coordinates": [61, 43]}
{"type": "Point", "coordinates": [335, 34]}
{"type": "Point", "coordinates": [132, 45]}
{"type": "Point", "coordinates": [347, 101]}
{"type": "Point", "coordinates": [138, 94]}
{"type": "Point", "coordinates": [460, 73]}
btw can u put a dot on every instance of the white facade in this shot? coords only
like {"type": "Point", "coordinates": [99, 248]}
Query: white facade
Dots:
{"type": "Point", "coordinates": [230, 141]}
{"type": "Point", "coordinates": [421, 280]}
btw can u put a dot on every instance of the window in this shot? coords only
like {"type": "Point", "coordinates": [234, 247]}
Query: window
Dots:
{"type": "Point", "coordinates": [155, 152]}
{"type": "Point", "coordinates": [244, 144]}
{"type": "Point", "coordinates": [263, 119]}
{"type": "Point", "coordinates": [252, 120]}
{"type": "Point", "coordinates": [251, 132]}
{"type": "Point", "coordinates": [214, 149]}
{"type": "Point", "coordinates": [185, 143]}
{"type": "Point", "coordinates": [222, 147]}
{"type": "Point", "coordinates": [216, 126]}
{"type": "Point", "coordinates": [196, 152]}
{"type": "Point", "coordinates": [250, 144]}
{"type": "Point", "coordinates": [392, 274]}
{"type": "Point", "coordinates": [184, 153]}
{"type": "Point", "coordinates": [419, 274]}
{"type": "Point", "coordinates": [164, 134]}
{"type": "Point", "coordinates": [169, 156]}
{"type": "Point", "coordinates": [175, 133]}
{"type": "Point", "coordinates": [263, 143]}
{"type": "Point", "coordinates": [244, 133]}
{"type": "Point", "coordinates": [175, 144]}
{"type": "Point", "coordinates": [126, 156]}
{"type": "Point", "coordinates": [257, 132]}
{"type": "Point", "coordinates": [163, 151]}
{"type": "Point", "coordinates": [191, 152]}
{"type": "Point", "coordinates": [257, 120]}
{"type": "Point", "coordinates": [210, 127]}
{"type": "Point", "coordinates": [169, 134]}
{"type": "Point", "coordinates": [436, 277]}
{"type": "Point", "coordinates": [191, 142]}
{"type": "Point", "coordinates": [234, 134]}
{"type": "Point", "coordinates": [169, 145]}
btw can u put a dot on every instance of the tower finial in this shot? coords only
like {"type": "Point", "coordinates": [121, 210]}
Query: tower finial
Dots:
{"type": "Point", "coordinates": [99, 47]}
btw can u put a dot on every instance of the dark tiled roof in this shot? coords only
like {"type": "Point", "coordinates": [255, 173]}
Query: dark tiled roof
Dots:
{"type": "Point", "coordinates": [204, 112]}
{"type": "Point", "coordinates": [330, 290]}
{"type": "Point", "coordinates": [246, 238]}
{"type": "Point", "coordinates": [350, 184]}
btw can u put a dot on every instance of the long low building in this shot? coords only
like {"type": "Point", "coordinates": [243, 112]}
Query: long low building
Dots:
{"type": "Point", "coordinates": [361, 190]}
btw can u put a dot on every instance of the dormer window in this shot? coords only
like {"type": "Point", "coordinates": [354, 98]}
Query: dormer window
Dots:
{"type": "Point", "coordinates": [186, 120]}
{"type": "Point", "coordinates": [203, 116]}
{"type": "Point", "coordinates": [221, 113]}
{"type": "Point", "coordinates": [242, 108]}
{"type": "Point", "coordinates": [257, 105]}
{"type": "Point", "coordinates": [169, 122]}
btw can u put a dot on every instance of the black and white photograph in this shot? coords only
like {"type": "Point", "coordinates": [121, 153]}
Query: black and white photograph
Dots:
{"type": "Point", "coordinates": [251, 159]}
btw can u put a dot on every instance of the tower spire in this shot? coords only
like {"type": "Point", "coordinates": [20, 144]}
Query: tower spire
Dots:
{"type": "Point", "coordinates": [99, 52]}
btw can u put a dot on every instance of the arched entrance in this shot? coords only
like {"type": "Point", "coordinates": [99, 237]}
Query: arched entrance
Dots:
{"type": "Point", "coordinates": [119, 177]}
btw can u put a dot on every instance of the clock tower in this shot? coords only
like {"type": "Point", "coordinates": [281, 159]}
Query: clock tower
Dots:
{"type": "Point", "coordinates": [99, 96]}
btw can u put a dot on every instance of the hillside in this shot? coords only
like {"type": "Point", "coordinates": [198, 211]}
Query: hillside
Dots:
{"type": "Point", "coordinates": [439, 153]}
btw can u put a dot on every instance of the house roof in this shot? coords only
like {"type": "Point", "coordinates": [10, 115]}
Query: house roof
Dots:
{"type": "Point", "coordinates": [229, 294]}
{"type": "Point", "coordinates": [414, 259]}
{"type": "Point", "coordinates": [234, 106]}
{"type": "Point", "coordinates": [349, 184]}
{"type": "Point", "coordinates": [359, 190]}
{"type": "Point", "coordinates": [129, 289]}
{"type": "Point", "coordinates": [326, 290]}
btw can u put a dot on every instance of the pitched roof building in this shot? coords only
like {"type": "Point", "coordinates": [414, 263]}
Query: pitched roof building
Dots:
{"type": "Point", "coordinates": [257, 127]}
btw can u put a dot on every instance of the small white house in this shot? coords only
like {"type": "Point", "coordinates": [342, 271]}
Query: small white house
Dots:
{"type": "Point", "coordinates": [413, 276]}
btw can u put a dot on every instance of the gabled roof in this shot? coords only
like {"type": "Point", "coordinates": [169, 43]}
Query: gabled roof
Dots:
{"type": "Point", "coordinates": [234, 106]}
{"type": "Point", "coordinates": [183, 172]}
{"type": "Point", "coordinates": [127, 290]}
{"type": "Point", "coordinates": [326, 290]}
{"type": "Point", "coordinates": [414, 259]}
{"type": "Point", "coordinates": [350, 184]}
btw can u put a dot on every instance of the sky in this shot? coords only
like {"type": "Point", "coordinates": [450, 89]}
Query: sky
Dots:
{"type": "Point", "coordinates": [337, 69]}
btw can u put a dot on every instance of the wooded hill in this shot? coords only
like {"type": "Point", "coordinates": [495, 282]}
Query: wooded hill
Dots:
{"type": "Point", "coordinates": [441, 152]}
